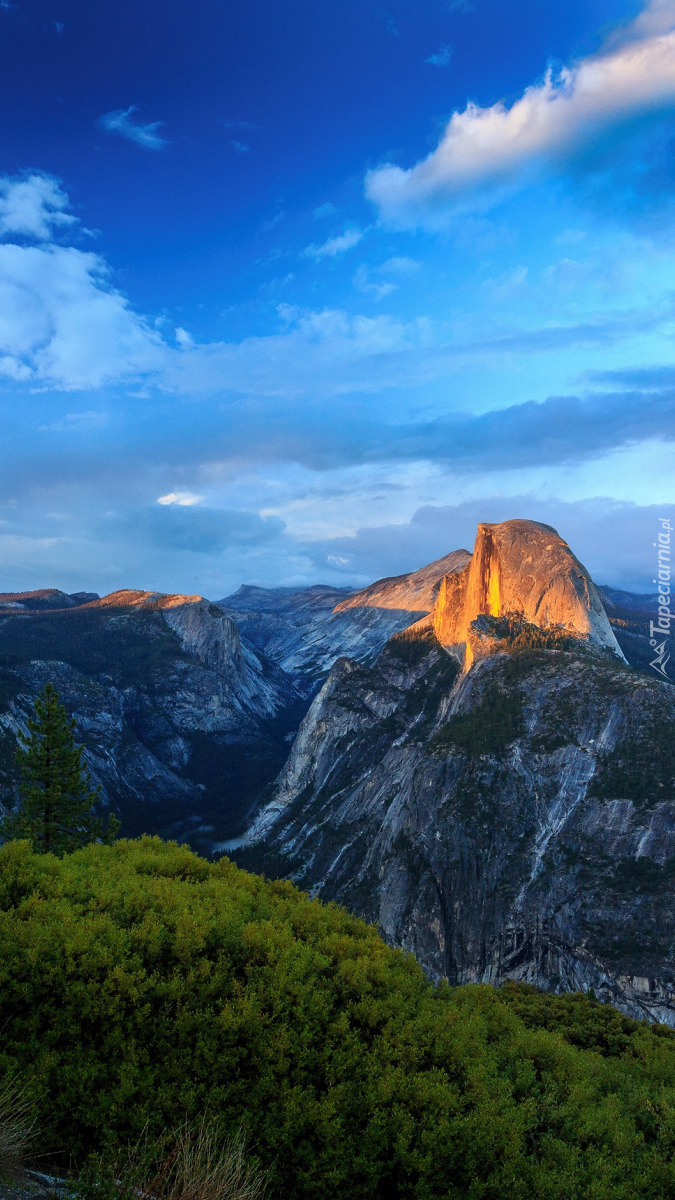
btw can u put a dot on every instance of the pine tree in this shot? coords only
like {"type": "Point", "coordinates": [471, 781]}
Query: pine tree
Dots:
{"type": "Point", "coordinates": [57, 798]}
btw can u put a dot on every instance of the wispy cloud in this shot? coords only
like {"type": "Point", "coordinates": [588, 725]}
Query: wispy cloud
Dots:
{"type": "Point", "coordinates": [121, 121]}
{"type": "Point", "coordinates": [399, 265]}
{"type": "Point", "coordinates": [441, 58]}
{"type": "Point", "coordinates": [62, 324]}
{"type": "Point", "coordinates": [379, 288]}
{"type": "Point", "coordinates": [240, 147]}
{"type": "Point", "coordinates": [378, 282]}
{"type": "Point", "coordinates": [489, 148]}
{"type": "Point", "coordinates": [324, 210]}
{"type": "Point", "coordinates": [336, 245]}
{"type": "Point", "coordinates": [33, 206]}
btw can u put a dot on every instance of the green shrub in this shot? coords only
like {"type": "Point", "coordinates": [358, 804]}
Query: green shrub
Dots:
{"type": "Point", "coordinates": [142, 986]}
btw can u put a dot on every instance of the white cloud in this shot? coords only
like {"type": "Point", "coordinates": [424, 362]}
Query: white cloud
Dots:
{"type": "Point", "coordinates": [121, 121]}
{"type": "Point", "coordinates": [488, 148]}
{"type": "Point", "coordinates": [33, 206]}
{"type": "Point", "coordinates": [336, 245]}
{"type": "Point", "coordinates": [182, 499]}
{"type": "Point", "coordinates": [62, 323]}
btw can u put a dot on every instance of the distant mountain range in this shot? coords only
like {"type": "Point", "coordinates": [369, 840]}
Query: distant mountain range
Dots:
{"type": "Point", "coordinates": [484, 766]}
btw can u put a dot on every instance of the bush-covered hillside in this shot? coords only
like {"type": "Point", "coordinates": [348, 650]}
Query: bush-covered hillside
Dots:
{"type": "Point", "coordinates": [139, 983]}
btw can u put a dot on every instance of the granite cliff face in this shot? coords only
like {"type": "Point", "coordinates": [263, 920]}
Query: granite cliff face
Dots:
{"type": "Point", "coordinates": [183, 723]}
{"type": "Point", "coordinates": [503, 810]}
{"type": "Point", "coordinates": [524, 568]}
{"type": "Point", "coordinates": [306, 630]}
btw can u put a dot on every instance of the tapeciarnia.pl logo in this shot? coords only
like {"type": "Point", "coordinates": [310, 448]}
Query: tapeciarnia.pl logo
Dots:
{"type": "Point", "coordinates": [659, 630]}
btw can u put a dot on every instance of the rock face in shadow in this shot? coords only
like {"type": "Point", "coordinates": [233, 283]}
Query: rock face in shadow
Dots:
{"type": "Point", "coordinates": [183, 723]}
{"type": "Point", "coordinates": [497, 790]}
{"type": "Point", "coordinates": [629, 615]}
{"type": "Point", "coordinates": [524, 568]}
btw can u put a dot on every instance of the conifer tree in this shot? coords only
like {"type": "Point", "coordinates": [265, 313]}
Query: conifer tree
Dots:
{"type": "Point", "coordinates": [56, 794]}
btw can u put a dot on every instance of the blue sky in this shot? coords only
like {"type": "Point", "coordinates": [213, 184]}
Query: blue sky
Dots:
{"type": "Point", "coordinates": [300, 292]}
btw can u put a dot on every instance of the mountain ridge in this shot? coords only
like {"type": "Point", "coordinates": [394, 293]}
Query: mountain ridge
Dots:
{"type": "Point", "coordinates": [306, 630]}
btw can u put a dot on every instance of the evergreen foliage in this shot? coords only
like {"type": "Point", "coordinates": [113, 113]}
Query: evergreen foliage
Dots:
{"type": "Point", "coordinates": [142, 986]}
{"type": "Point", "coordinates": [487, 728]}
{"type": "Point", "coordinates": [640, 768]}
{"type": "Point", "coordinates": [411, 646]}
{"type": "Point", "coordinates": [56, 797]}
{"type": "Point", "coordinates": [518, 635]}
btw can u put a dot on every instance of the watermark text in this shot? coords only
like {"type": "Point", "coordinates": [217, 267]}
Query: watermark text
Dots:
{"type": "Point", "coordinates": [659, 630]}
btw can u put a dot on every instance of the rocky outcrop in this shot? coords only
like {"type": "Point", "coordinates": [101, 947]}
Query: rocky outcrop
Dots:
{"type": "Point", "coordinates": [513, 821]}
{"type": "Point", "coordinates": [523, 568]}
{"type": "Point", "coordinates": [306, 630]}
{"type": "Point", "coordinates": [415, 593]}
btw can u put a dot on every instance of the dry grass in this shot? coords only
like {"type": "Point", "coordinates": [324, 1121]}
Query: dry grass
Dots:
{"type": "Point", "coordinates": [16, 1131]}
{"type": "Point", "coordinates": [192, 1163]}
